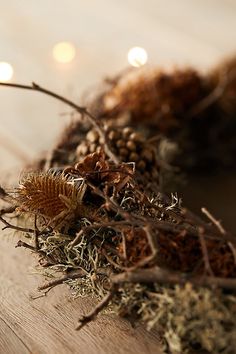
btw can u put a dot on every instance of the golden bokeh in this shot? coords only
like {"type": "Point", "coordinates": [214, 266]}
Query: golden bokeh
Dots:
{"type": "Point", "coordinates": [64, 52]}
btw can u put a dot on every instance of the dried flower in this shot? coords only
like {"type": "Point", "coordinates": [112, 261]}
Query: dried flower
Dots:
{"type": "Point", "coordinates": [57, 198]}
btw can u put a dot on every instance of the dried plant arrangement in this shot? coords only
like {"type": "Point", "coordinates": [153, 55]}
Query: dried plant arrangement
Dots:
{"type": "Point", "coordinates": [97, 210]}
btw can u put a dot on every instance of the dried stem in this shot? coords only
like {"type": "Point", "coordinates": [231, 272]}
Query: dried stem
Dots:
{"type": "Point", "coordinates": [36, 233]}
{"type": "Point", "coordinates": [110, 260]}
{"type": "Point", "coordinates": [25, 245]}
{"type": "Point", "coordinates": [93, 314]}
{"type": "Point", "coordinates": [7, 210]}
{"type": "Point", "coordinates": [221, 229]}
{"type": "Point", "coordinates": [75, 275]}
{"type": "Point", "coordinates": [163, 276]}
{"type": "Point", "coordinates": [205, 252]}
{"type": "Point", "coordinates": [14, 227]}
{"type": "Point", "coordinates": [213, 219]}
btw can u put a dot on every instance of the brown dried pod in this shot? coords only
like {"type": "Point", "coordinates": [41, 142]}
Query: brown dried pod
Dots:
{"type": "Point", "coordinates": [128, 145]}
{"type": "Point", "coordinates": [96, 169]}
{"type": "Point", "coordinates": [57, 198]}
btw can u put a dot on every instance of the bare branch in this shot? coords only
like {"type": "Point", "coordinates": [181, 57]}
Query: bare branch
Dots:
{"type": "Point", "coordinates": [164, 276]}
{"type": "Point", "coordinates": [73, 275]}
{"type": "Point", "coordinates": [14, 227]}
{"type": "Point", "coordinates": [25, 245]}
{"type": "Point", "coordinates": [82, 110]}
{"type": "Point", "coordinates": [221, 229]}
{"type": "Point", "coordinates": [93, 314]}
{"type": "Point", "coordinates": [7, 210]}
{"type": "Point", "coordinates": [215, 222]}
{"type": "Point", "coordinates": [205, 252]}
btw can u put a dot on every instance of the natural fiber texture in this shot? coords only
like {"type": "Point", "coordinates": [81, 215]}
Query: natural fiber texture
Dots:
{"type": "Point", "coordinates": [57, 198]}
{"type": "Point", "coordinates": [114, 232]}
{"type": "Point", "coordinates": [153, 97]}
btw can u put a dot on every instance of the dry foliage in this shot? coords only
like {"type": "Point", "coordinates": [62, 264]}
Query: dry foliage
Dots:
{"type": "Point", "coordinates": [107, 225]}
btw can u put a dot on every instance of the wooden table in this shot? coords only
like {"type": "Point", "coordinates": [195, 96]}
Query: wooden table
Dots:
{"type": "Point", "coordinates": [47, 325]}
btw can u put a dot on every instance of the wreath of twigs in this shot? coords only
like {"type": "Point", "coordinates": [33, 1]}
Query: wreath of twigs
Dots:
{"type": "Point", "coordinates": [126, 236]}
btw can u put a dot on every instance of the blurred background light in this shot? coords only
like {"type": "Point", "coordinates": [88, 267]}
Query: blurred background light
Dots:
{"type": "Point", "coordinates": [137, 56]}
{"type": "Point", "coordinates": [6, 71]}
{"type": "Point", "coordinates": [64, 52]}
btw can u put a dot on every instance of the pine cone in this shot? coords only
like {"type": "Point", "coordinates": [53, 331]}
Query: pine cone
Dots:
{"type": "Point", "coordinates": [128, 145]}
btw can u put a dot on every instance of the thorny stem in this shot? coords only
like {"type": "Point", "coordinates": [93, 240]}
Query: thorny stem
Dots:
{"type": "Point", "coordinates": [82, 110]}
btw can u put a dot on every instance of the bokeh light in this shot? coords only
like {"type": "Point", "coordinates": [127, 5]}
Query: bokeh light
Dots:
{"type": "Point", "coordinates": [137, 56]}
{"type": "Point", "coordinates": [6, 71]}
{"type": "Point", "coordinates": [64, 52]}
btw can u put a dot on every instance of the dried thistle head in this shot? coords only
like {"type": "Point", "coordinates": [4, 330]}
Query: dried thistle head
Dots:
{"type": "Point", "coordinates": [57, 198]}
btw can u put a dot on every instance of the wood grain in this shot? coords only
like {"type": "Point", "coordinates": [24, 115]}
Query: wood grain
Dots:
{"type": "Point", "coordinates": [46, 325]}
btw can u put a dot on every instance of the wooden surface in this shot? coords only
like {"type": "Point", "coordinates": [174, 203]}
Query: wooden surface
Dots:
{"type": "Point", "coordinates": [196, 32]}
{"type": "Point", "coordinates": [47, 325]}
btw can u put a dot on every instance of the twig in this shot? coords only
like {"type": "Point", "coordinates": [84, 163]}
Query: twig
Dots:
{"type": "Point", "coordinates": [7, 210]}
{"type": "Point", "coordinates": [124, 246]}
{"type": "Point", "coordinates": [76, 239]}
{"type": "Point", "coordinates": [3, 193]}
{"type": "Point", "coordinates": [110, 260]}
{"type": "Point", "coordinates": [205, 252]}
{"type": "Point", "coordinates": [93, 314]}
{"type": "Point", "coordinates": [221, 229]}
{"type": "Point", "coordinates": [5, 196]}
{"type": "Point", "coordinates": [35, 297]}
{"type": "Point", "coordinates": [195, 220]}
{"type": "Point", "coordinates": [106, 246]}
{"type": "Point", "coordinates": [111, 224]}
{"type": "Point", "coordinates": [153, 246]}
{"type": "Point", "coordinates": [82, 110]}
{"type": "Point", "coordinates": [36, 233]}
{"type": "Point", "coordinates": [215, 222]}
{"type": "Point", "coordinates": [77, 274]}
{"type": "Point", "coordinates": [14, 227]}
{"type": "Point", "coordinates": [163, 276]}
{"type": "Point", "coordinates": [26, 245]}
{"type": "Point", "coordinates": [151, 240]}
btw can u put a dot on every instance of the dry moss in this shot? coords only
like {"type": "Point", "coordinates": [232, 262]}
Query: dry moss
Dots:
{"type": "Point", "coordinates": [119, 238]}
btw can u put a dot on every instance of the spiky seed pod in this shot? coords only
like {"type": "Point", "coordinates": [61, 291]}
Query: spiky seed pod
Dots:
{"type": "Point", "coordinates": [128, 145]}
{"type": "Point", "coordinates": [55, 197]}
